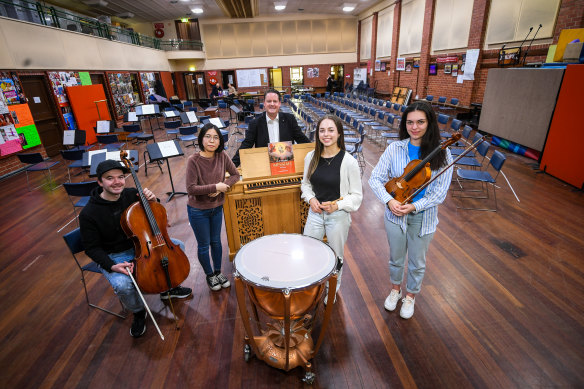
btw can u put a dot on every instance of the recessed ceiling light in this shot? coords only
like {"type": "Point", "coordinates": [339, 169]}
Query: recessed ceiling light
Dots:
{"type": "Point", "coordinates": [348, 7]}
{"type": "Point", "coordinates": [280, 5]}
{"type": "Point", "coordinates": [197, 10]}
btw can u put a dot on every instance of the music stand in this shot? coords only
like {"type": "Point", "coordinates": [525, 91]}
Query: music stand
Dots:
{"type": "Point", "coordinates": [92, 158]}
{"type": "Point", "coordinates": [236, 110]}
{"type": "Point", "coordinates": [163, 151]}
{"type": "Point", "coordinates": [188, 118]}
{"type": "Point", "coordinates": [149, 111]}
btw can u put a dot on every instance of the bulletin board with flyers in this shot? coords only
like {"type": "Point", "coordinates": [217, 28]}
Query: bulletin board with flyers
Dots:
{"type": "Point", "coordinates": [17, 129]}
{"type": "Point", "coordinates": [122, 92]}
{"type": "Point", "coordinates": [148, 84]}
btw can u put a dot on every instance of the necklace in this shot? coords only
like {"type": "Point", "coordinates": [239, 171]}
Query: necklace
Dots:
{"type": "Point", "coordinates": [331, 159]}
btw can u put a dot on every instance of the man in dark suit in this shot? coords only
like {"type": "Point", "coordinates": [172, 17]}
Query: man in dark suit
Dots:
{"type": "Point", "coordinates": [274, 126]}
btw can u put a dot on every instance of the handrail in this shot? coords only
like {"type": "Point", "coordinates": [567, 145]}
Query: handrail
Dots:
{"type": "Point", "coordinates": [35, 12]}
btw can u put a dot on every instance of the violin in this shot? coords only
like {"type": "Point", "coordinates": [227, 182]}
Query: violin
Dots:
{"type": "Point", "coordinates": [160, 264]}
{"type": "Point", "coordinates": [417, 174]}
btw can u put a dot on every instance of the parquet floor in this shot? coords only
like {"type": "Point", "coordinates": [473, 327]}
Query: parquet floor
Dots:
{"type": "Point", "coordinates": [502, 304]}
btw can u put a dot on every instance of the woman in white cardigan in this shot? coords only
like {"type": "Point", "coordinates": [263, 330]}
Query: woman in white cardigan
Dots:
{"type": "Point", "coordinates": [332, 186]}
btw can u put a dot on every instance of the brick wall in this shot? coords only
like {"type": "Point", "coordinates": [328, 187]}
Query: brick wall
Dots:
{"type": "Point", "coordinates": [571, 15]}
{"type": "Point", "coordinates": [11, 162]}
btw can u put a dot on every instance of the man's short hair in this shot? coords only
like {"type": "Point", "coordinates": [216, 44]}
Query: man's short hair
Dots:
{"type": "Point", "coordinates": [272, 91]}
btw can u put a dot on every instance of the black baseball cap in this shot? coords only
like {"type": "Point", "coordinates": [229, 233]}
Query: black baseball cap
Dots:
{"type": "Point", "coordinates": [110, 164]}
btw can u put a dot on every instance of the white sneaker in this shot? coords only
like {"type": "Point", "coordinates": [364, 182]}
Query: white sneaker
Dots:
{"type": "Point", "coordinates": [392, 299]}
{"type": "Point", "coordinates": [407, 308]}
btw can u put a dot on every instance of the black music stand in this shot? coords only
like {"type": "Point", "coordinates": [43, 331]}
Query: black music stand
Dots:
{"type": "Point", "coordinates": [100, 157]}
{"type": "Point", "coordinates": [237, 111]}
{"type": "Point", "coordinates": [159, 152]}
{"type": "Point", "coordinates": [149, 111]}
{"type": "Point", "coordinates": [188, 118]}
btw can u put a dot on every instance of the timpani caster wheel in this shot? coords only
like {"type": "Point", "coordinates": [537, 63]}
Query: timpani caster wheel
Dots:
{"type": "Point", "coordinates": [309, 378]}
{"type": "Point", "coordinates": [246, 352]}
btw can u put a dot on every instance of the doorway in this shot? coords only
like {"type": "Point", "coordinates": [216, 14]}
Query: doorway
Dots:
{"type": "Point", "coordinates": [276, 78]}
{"type": "Point", "coordinates": [338, 73]}
{"type": "Point", "coordinates": [228, 77]}
{"type": "Point", "coordinates": [43, 112]}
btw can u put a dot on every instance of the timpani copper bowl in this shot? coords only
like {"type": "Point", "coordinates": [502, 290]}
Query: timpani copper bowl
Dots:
{"type": "Point", "coordinates": [285, 276]}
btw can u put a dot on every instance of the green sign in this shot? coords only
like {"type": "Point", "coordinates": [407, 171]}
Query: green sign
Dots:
{"type": "Point", "coordinates": [31, 136]}
{"type": "Point", "coordinates": [85, 78]}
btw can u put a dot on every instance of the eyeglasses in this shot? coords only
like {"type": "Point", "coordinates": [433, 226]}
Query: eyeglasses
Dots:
{"type": "Point", "coordinates": [410, 123]}
{"type": "Point", "coordinates": [211, 137]}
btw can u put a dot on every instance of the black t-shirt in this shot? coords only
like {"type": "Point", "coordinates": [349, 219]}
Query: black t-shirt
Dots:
{"type": "Point", "coordinates": [326, 179]}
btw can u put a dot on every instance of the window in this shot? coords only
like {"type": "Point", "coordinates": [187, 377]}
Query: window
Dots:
{"type": "Point", "coordinates": [451, 24]}
{"type": "Point", "coordinates": [366, 31]}
{"type": "Point", "coordinates": [509, 21]}
{"type": "Point", "coordinates": [411, 27]}
{"type": "Point", "coordinates": [384, 32]}
{"type": "Point", "coordinates": [296, 76]}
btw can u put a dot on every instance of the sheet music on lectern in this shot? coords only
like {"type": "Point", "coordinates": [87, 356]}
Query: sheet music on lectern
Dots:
{"type": "Point", "coordinates": [91, 153]}
{"type": "Point", "coordinates": [103, 126]}
{"type": "Point", "coordinates": [168, 148]}
{"type": "Point", "coordinates": [188, 117]}
{"type": "Point", "coordinates": [217, 122]}
{"type": "Point", "coordinates": [68, 137]}
{"type": "Point", "coordinates": [132, 117]}
{"type": "Point", "coordinates": [148, 109]}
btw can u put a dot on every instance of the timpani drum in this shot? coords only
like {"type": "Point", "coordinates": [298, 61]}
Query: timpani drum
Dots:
{"type": "Point", "coordinates": [285, 276]}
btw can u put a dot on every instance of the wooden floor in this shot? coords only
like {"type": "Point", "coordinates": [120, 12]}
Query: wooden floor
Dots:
{"type": "Point", "coordinates": [502, 304]}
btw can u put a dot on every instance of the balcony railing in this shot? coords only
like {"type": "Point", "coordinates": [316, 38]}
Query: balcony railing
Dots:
{"type": "Point", "coordinates": [36, 12]}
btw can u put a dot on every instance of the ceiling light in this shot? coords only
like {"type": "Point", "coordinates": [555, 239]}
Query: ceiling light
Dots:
{"type": "Point", "coordinates": [197, 10]}
{"type": "Point", "coordinates": [348, 7]}
{"type": "Point", "coordinates": [185, 20]}
{"type": "Point", "coordinates": [280, 7]}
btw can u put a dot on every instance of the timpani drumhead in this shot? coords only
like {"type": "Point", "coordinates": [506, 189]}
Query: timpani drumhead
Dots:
{"type": "Point", "coordinates": [283, 261]}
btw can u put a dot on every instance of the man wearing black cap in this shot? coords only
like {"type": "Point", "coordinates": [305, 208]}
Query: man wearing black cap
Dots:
{"type": "Point", "coordinates": [106, 243]}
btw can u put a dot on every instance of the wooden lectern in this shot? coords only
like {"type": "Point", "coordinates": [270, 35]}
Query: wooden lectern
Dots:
{"type": "Point", "coordinates": [261, 204]}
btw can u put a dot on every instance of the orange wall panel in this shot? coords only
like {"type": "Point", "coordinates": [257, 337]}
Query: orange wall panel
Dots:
{"type": "Point", "coordinates": [562, 155]}
{"type": "Point", "coordinates": [83, 102]}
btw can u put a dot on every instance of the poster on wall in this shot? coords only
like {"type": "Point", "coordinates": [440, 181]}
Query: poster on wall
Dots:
{"type": "Point", "coordinates": [3, 104]}
{"type": "Point", "coordinates": [447, 68]}
{"type": "Point", "coordinates": [9, 140]}
{"type": "Point", "coordinates": [359, 75]}
{"type": "Point", "coordinates": [400, 64]}
{"type": "Point", "coordinates": [9, 91]}
{"type": "Point", "coordinates": [21, 115]}
{"type": "Point", "coordinates": [377, 65]}
{"type": "Point", "coordinates": [312, 72]}
{"type": "Point", "coordinates": [454, 70]}
{"type": "Point", "coordinates": [408, 68]}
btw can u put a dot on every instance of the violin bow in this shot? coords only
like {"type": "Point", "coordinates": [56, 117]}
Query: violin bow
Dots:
{"type": "Point", "coordinates": [469, 148]}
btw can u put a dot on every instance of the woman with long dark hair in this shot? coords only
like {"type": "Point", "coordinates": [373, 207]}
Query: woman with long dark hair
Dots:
{"type": "Point", "coordinates": [410, 227]}
{"type": "Point", "coordinates": [332, 186]}
{"type": "Point", "coordinates": [206, 186]}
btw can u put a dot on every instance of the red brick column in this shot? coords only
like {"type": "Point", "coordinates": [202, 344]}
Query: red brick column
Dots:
{"type": "Point", "coordinates": [374, 41]}
{"type": "Point", "coordinates": [476, 40]}
{"type": "Point", "coordinates": [393, 79]}
{"type": "Point", "coordinates": [422, 88]}
{"type": "Point", "coordinates": [359, 43]}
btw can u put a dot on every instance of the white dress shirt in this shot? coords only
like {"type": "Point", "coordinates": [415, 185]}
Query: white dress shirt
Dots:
{"type": "Point", "coordinates": [273, 128]}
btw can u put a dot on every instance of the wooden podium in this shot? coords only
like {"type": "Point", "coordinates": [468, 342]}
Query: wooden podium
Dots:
{"type": "Point", "coordinates": [261, 204]}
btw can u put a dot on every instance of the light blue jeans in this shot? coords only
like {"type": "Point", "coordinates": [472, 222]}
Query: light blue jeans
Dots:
{"type": "Point", "coordinates": [122, 283]}
{"type": "Point", "coordinates": [336, 228]}
{"type": "Point", "coordinates": [412, 245]}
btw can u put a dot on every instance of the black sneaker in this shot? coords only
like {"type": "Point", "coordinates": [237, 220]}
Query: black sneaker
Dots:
{"type": "Point", "coordinates": [223, 281]}
{"type": "Point", "coordinates": [179, 292]}
{"type": "Point", "coordinates": [213, 282]}
{"type": "Point", "coordinates": [139, 324]}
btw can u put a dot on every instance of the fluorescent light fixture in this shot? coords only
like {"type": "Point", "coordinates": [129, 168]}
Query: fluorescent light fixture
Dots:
{"type": "Point", "coordinates": [280, 6]}
{"type": "Point", "coordinates": [197, 10]}
{"type": "Point", "coordinates": [348, 7]}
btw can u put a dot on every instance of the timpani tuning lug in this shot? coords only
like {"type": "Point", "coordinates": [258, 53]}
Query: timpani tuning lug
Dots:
{"type": "Point", "coordinates": [246, 352]}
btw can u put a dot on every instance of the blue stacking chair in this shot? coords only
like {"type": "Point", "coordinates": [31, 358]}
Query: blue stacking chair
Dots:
{"type": "Point", "coordinates": [75, 245]}
{"type": "Point", "coordinates": [37, 164]}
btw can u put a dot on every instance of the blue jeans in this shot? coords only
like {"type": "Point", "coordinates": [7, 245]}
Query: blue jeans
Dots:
{"type": "Point", "coordinates": [122, 283]}
{"type": "Point", "coordinates": [413, 245]}
{"type": "Point", "coordinates": [336, 228]}
{"type": "Point", "coordinates": [206, 224]}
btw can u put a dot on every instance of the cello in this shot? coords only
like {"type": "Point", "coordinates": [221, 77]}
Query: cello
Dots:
{"type": "Point", "coordinates": [160, 264]}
